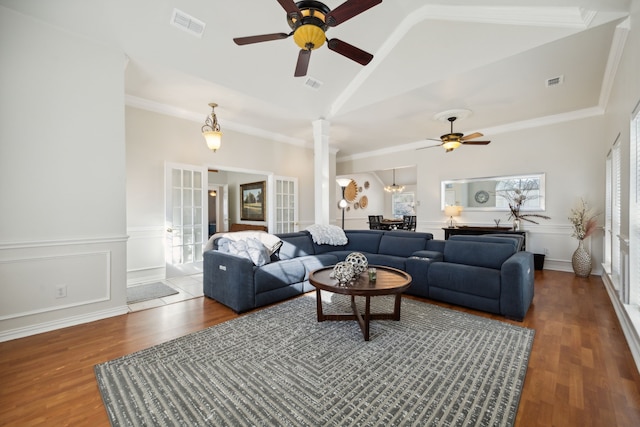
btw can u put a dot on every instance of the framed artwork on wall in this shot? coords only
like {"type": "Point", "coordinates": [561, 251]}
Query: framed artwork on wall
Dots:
{"type": "Point", "coordinates": [253, 201]}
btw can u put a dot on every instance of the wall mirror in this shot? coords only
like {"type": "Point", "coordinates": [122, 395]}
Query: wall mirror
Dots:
{"type": "Point", "coordinates": [494, 193]}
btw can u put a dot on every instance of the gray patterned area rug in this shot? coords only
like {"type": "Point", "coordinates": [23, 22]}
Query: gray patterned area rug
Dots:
{"type": "Point", "coordinates": [280, 367]}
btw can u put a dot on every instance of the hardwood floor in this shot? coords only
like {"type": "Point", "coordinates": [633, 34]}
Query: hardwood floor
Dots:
{"type": "Point", "coordinates": [581, 372]}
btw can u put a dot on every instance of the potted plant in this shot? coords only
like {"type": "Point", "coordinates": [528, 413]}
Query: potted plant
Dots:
{"type": "Point", "coordinates": [516, 197]}
{"type": "Point", "coordinates": [584, 224]}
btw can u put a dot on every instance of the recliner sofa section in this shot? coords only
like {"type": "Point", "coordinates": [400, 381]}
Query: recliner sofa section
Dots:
{"type": "Point", "coordinates": [485, 273]}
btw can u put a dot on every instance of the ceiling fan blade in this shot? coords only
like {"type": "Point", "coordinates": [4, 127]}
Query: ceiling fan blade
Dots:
{"type": "Point", "coordinates": [261, 38]}
{"type": "Point", "coordinates": [350, 51]}
{"type": "Point", "coordinates": [303, 63]}
{"type": "Point", "coordinates": [476, 142]}
{"type": "Point", "coordinates": [291, 7]}
{"type": "Point", "coordinates": [348, 10]}
{"type": "Point", "coordinates": [471, 136]}
{"type": "Point", "coordinates": [429, 146]}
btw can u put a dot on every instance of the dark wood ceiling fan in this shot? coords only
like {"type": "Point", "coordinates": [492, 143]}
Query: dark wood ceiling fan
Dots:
{"type": "Point", "coordinates": [309, 21]}
{"type": "Point", "coordinates": [451, 141]}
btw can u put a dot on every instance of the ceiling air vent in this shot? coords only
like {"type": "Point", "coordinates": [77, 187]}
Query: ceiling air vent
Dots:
{"type": "Point", "coordinates": [312, 83]}
{"type": "Point", "coordinates": [187, 23]}
{"type": "Point", "coordinates": [555, 81]}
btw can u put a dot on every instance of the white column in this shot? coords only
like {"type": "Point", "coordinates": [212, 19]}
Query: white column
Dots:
{"type": "Point", "coordinates": [321, 130]}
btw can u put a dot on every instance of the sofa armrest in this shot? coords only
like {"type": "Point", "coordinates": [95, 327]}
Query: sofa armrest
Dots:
{"type": "Point", "coordinates": [517, 288]}
{"type": "Point", "coordinates": [432, 255]}
{"type": "Point", "coordinates": [228, 279]}
{"type": "Point", "coordinates": [417, 265]}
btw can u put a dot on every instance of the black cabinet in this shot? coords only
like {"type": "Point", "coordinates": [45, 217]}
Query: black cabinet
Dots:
{"type": "Point", "coordinates": [476, 231]}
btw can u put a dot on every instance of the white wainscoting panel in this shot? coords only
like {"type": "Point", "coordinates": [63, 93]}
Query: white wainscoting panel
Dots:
{"type": "Point", "coordinates": [33, 285]}
{"type": "Point", "coordinates": [145, 254]}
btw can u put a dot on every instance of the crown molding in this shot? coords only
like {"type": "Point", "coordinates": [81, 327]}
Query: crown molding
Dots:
{"type": "Point", "coordinates": [170, 110]}
{"type": "Point", "coordinates": [511, 127]}
{"type": "Point", "coordinates": [613, 62]}
{"type": "Point", "coordinates": [565, 17]}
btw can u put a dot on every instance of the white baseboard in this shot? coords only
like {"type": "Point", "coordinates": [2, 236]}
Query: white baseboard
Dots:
{"type": "Point", "coordinates": [153, 274]}
{"type": "Point", "coordinates": [61, 323]}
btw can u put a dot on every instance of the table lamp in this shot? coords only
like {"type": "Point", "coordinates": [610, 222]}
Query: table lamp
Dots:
{"type": "Point", "coordinates": [452, 211]}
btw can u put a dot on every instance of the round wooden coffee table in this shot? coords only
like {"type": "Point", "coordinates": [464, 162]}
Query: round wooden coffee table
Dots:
{"type": "Point", "coordinates": [389, 281]}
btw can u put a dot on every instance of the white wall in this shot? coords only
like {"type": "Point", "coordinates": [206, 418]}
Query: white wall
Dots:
{"type": "Point", "coordinates": [570, 154]}
{"type": "Point", "coordinates": [153, 139]}
{"type": "Point", "coordinates": [62, 178]}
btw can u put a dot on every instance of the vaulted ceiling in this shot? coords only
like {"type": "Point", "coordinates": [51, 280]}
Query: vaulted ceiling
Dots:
{"type": "Point", "coordinates": [491, 57]}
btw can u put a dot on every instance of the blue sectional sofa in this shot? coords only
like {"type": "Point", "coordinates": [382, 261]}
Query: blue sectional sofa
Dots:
{"type": "Point", "coordinates": [481, 272]}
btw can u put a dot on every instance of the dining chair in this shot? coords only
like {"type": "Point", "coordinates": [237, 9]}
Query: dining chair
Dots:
{"type": "Point", "coordinates": [409, 222]}
{"type": "Point", "coordinates": [375, 222]}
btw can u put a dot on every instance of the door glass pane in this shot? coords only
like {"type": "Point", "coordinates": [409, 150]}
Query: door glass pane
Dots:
{"type": "Point", "coordinates": [177, 237]}
{"type": "Point", "coordinates": [186, 182]}
{"type": "Point", "coordinates": [177, 217]}
{"type": "Point", "coordinates": [187, 254]}
{"type": "Point", "coordinates": [197, 180]}
{"type": "Point", "coordinates": [176, 178]}
{"type": "Point", "coordinates": [176, 197]}
{"type": "Point", "coordinates": [186, 198]}
{"type": "Point", "coordinates": [188, 236]}
{"type": "Point", "coordinates": [187, 216]}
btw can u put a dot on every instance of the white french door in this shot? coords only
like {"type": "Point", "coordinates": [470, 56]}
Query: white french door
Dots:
{"type": "Point", "coordinates": [286, 204]}
{"type": "Point", "coordinates": [185, 218]}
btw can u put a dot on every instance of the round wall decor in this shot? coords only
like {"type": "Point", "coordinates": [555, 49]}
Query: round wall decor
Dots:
{"type": "Point", "coordinates": [351, 191]}
{"type": "Point", "coordinates": [481, 196]}
{"type": "Point", "coordinates": [364, 201]}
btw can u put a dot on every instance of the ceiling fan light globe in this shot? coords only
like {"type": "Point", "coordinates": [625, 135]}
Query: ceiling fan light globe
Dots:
{"type": "Point", "coordinates": [309, 36]}
{"type": "Point", "coordinates": [451, 145]}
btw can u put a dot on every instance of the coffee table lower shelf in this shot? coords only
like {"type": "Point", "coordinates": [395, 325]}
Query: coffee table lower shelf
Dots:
{"type": "Point", "coordinates": [363, 319]}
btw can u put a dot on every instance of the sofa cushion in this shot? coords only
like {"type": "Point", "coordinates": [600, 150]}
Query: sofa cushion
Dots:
{"type": "Point", "coordinates": [402, 243]}
{"type": "Point", "coordinates": [278, 275]}
{"type": "Point", "coordinates": [387, 260]}
{"type": "Point", "coordinates": [314, 262]}
{"type": "Point", "coordinates": [489, 254]}
{"type": "Point", "coordinates": [515, 240]}
{"type": "Point", "coordinates": [480, 281]}
{"type": "Point", "coordinates": [295, 245]}
{"type": "Point", "coordinates": [363, 240]}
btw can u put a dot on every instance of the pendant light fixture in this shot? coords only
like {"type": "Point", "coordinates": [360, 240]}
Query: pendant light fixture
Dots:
{"type": "Point", "coordinates": [211, 130]}
{"type": "Point", "coordinates": [394, 188]}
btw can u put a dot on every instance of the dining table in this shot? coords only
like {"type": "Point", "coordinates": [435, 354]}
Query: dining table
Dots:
{"type": "Point", "coordinates": [391, 224]}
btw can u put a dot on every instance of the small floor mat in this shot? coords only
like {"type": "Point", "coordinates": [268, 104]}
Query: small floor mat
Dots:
{"type": "Point", "coordinates": [149, 291]}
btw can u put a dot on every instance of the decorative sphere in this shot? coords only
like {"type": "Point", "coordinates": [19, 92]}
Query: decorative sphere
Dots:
{"type": "Point", "coordinates": [343, 272]}
{"type": "Point", "coordinates": [358, 261]}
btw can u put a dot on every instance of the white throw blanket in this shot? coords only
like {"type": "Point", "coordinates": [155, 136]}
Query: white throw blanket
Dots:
{"type": "Point", "coordinates": [271, 242]}
{"type": "Point", "coordinates": [327, 235]}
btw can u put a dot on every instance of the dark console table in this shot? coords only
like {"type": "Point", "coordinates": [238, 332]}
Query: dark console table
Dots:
{"type": "Point", "coordinates": [452, 231]}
